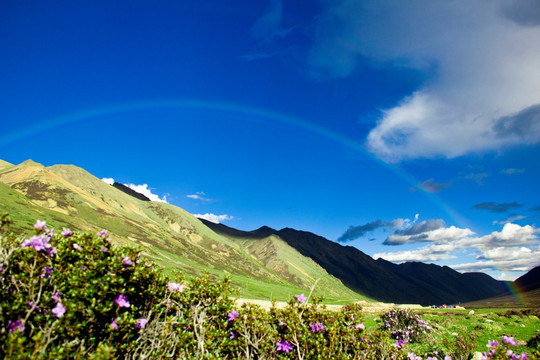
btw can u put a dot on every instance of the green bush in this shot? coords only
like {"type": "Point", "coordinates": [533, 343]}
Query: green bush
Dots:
{"type": "Point", "coordinates": [74, 295]}
{"type": "Point", "coordinates": [404, 325]}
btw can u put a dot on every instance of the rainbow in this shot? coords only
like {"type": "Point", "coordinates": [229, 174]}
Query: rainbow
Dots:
{"type": "Point", "coordinates": [243, 111]}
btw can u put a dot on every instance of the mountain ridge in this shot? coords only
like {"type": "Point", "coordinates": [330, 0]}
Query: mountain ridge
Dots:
{"type": "Point", "coordinates": [410, 282]}
{"type": "Point", "coordinates": [71, 197]}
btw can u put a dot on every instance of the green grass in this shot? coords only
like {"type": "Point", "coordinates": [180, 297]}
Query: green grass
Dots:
{"type": "Point", "coordinates": [488, 324]}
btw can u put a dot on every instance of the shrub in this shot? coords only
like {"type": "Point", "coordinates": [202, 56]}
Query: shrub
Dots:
{"type": "Point", "coordinates": [461, 347]}
{"type": "Point", "coordinates": [404, 325]}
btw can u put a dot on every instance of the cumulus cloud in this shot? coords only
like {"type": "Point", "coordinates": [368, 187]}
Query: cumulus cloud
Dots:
{"type": "Point", "coordinates": [484, 82]}
{"type": "Point", "coordinates": [499, 208]}
{"type": "Point", "coordinates": [429, 231]}
{"type": "Point", "coordinates": [214, 218]}
{"type": "Point", "coordinates": [109, 181]}
{"type": "Point", "coordinates": [514, 248]}
{"type": "Point", "coordinates": [510, 235]}
{"type": "Point", "coordinates": [143, 189]}
{"type": "Point", "coordinates": [505, 259]}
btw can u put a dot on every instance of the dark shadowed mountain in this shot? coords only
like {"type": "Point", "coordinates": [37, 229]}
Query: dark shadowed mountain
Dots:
{"type": "Point", "coordinates": [411, 282]}
{"type": "Point", "coordinates": [526, 294]}
{"type": "Point", "coordinates": [130, 191]}
{"type": "Point", "coordinates": [529, 281]}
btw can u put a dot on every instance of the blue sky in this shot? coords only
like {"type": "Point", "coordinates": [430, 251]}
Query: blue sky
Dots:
{"type": "Point", "coordinates": [409, 130]}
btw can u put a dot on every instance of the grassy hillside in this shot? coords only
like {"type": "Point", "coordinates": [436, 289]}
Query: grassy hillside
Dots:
{"type": "Point", "coordinates": [68, 196]}
{"type": "Point", "coordinates": [287, 262]}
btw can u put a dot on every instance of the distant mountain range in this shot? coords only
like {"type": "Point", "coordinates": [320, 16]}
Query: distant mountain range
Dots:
{"type": "Point", "coordinates": [263, 263]}
{"type": "Point", "coordinates": [411, 282]}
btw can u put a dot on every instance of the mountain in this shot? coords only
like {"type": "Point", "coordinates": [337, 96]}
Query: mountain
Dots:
{"type": "Point", "coordinates": [529, 281]}
{"type": "Point", "coordinates": [411, 282]}
{"type": "Point", "coordinates": [524, 292]}
{"type": "Point", "coordinates": [68, 196]}
{"type": "Point", "coordinates": [263, 263]}
{"type": "Point", "coordinates": [130, 191]}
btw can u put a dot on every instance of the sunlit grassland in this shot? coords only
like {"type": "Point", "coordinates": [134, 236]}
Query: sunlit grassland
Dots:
{"type": "Point", "coordinates": [487, 324]}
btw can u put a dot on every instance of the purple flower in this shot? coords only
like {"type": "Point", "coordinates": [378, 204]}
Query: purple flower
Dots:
{"type": "Point", "coordinates": [32, 305]}
{"type": "Point", "coordinates": [509, 340]}
{"type": "Point", "coordinates": [102, 233]}
{"type": "Point", "coordinates": [122, 301]}
{"type": "Point", "coordinates": [141, 323]}
{"type": "Point", "coordinates": [360, 326]}
{"type": "Point", "coordinates": [232, 315]}
{"type": "Point", "coordinates": [447, 357]}
{"type": "Point", "coordinates": [492, 343]}
{"type": "Point", "coordinates": [66, 232]}
{"type": "Point", "coordinates": [59, 310]}
{"type": "Point", "coordinates": [301, 298]}
{"type": "Point", "coordinates": [104, 249]}
{"type": "Point", "coordinates": [77, 247]}
{"type": "Point", "coordinates": [284, 346]}
{"type": "Point", "coordinates": [114, 325]}
{"type": "Point", "coordinates": [316, 327]}
{"type": "Point", "coordinates": [400, 343]}
{"type": "Point", "coordinates": [15, 325]}
{"type": "Point", "coordinates": [175, 287]}
{"type": "Point", "coordinates": [232, 335]}
{"type": "Point", "coordinates": [40, 225]}
{"type": "Point", "coordinates": [47, 273]}
{"type": "Point", "coordinates": [127, 261]}
{"type": "Point", "coordinates": [39, 243]}
{"type": "Point", "coordinates": [56, 297]}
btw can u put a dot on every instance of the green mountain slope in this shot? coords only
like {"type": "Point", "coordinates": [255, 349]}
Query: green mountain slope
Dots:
{"type": "Point", "coordinates": [68, 196]}
{"type": "Point", "coordinates": [278, 256]}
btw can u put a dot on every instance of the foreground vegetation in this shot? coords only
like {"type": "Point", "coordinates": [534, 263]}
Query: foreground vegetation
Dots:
{"type": "Point", "coordinates": [66, 294]}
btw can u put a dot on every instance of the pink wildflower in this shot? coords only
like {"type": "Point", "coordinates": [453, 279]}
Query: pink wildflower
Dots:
{"type": "Point", "coordinates": [284, 346]}
{"type": "Point", "coordinates": [175, 287]}
{"type": "Point", "coordinates": [122, 301]}
{"type": "Point", "coordinates": [232, 315]}
{"type": "Point", "coordinates": [141, 323]}
{"type": "Point", "coordinates": [40, 225]}
{"type": "Point", "coordinates": [59, 310]}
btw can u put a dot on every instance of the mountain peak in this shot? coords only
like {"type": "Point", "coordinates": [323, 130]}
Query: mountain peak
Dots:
{"type": "Point", "coordinates": [30, 162]}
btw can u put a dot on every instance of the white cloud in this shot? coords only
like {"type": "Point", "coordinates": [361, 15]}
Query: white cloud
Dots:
{"type": "Point", "coordinates": [428, 231]}
{"type": "Point", "coordinates": [214, 218]}
{"type": "Point", "coordinates": [143, 189]}
{"type": "Point", "coordinates": [514, 248]}
{"type": "Point", "coordinates": [199, 196]}
{"type": "Point", "coordinates": [510, 235]}
{"type": "Point", "coordinates": [483, 61]}
{"type": "Point", "coordinates": [424, 254]}
{"type": "Point", "coordinates": [109, 181]}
